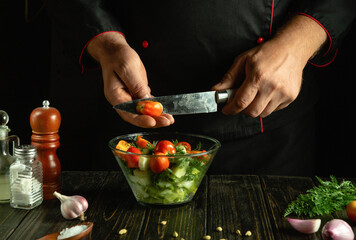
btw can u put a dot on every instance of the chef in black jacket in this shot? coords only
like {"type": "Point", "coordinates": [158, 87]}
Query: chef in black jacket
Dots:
{"type": "Point", "coordinates": [147, 48]}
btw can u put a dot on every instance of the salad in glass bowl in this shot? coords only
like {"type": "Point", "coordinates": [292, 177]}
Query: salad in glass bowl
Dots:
{"type": "Point", "coordinates": [164, 168]}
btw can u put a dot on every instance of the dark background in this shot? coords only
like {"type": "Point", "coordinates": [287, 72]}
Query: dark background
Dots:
{"type": "Point", "coordinates": [25, 50]}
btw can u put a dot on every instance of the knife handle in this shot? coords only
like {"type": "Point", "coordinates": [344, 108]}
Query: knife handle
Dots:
{"type": "Point", "coordinates": [224, 96]}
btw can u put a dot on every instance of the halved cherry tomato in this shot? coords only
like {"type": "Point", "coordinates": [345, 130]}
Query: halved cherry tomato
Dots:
{"type": "Point", "coordinates": [165, 147]}
{"type": "Point", "coordinates": [151, 108]}
{"type": "Point", "coordinates": [159, 164]}
{"type": "Point", "coordinates": [203, 158]}
{"type": "Point", "coordinates": [132, 160]}
{"type": "Point", "coordinates": [186, 145]}
{"type": "Point", "coordinates": [142, 143]}
{"type": "Point", "coordinates": [123, 145]}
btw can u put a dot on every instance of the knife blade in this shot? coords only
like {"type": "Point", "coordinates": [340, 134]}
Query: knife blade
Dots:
{"type": "Point", "coordinates": [188, 103]}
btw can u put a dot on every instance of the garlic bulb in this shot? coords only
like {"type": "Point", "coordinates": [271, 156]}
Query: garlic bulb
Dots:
{"type": "Point", "coordinates": [72, 206]}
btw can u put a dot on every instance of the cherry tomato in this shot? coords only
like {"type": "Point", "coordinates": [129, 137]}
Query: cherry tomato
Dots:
{"type": "Point", "coordinates": [159, 164]}
{"type": "Point", "coordinates": [165, 147]}
{"type": "Point", "coordinates": [142, 143]}
{"type": "Point", "coordinates": [132, 160]}
{"type": "Point", "coordinates": [151, 108]}
{"type": "Point", "coordinates": [351, 210]}
{"type": "Point", "coordinates": [186, 145]}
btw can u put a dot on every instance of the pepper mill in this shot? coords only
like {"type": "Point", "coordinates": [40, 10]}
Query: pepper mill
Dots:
{"type": "Point", "coordinates": [45, 122]}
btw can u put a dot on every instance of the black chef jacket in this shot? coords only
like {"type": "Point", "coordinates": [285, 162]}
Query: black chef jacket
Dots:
{"type": "Point", "coordinates": [188, 45]}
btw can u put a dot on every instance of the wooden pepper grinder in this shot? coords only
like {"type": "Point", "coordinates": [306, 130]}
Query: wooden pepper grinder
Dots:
{"type": "Point", "coordinates": [45, 122]}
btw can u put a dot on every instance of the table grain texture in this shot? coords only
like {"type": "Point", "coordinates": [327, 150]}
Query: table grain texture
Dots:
{"type": "Point", "coordinates": [232, 202]}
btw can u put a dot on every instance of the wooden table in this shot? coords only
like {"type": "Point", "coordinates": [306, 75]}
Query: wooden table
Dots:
{"type": "Point", "coordinates": [233, 202]}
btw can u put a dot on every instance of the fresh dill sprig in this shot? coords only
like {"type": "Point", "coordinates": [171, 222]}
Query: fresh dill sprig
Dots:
{"type": "Point", "coordinates": [326, 198]}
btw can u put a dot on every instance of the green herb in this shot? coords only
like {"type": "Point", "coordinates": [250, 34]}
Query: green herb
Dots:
{"type": "Point", "coordinates": [326, 198]}
{"type": "Point", "coordinates": [166, 176]}
{"type": "Point", "coordinates": [198, 146]}
{"type": "Point", "coordinates": [150, 148]}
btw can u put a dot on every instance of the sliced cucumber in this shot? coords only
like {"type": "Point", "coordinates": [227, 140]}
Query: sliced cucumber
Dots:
{"type": "Point", "coordinates": [180, 170]}
{"type": "Point", "coordinates": [139, 191]}
{"type": "Point", "coordinates": [163, 184]}
{"type": "Point", "coordinates": [186, 184]}
{"type": "Point", "coordinates": [181, 149]}
{"type": "Point", "coordinates": [140, 177]}
{"type": "Point", "coordinates": [144, 163]}
{"type": "Point", "coordinates": [195, 171]}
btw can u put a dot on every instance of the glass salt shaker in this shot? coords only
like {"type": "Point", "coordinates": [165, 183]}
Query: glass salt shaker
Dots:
{"type": "Point", "coordinates": [26, 179]}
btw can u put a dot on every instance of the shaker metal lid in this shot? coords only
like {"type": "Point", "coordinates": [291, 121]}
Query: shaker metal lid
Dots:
{"type": "Point", "coordinates": [25, 150]}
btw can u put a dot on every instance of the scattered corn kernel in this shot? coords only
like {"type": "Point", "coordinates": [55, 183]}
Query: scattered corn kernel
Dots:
{"type": "Point", "coordinates": [206, 237]}
{"type": "Point", "coordinates": [163, 222]}
{"type": "Point", "coordinates": [219, 229]}
{"type": "Point", "coordinates": [238, 232]}
{"type": "Point", "coordinates": [175, 234]}
{"type": "Point", "coordinates": [248, 233]}
{"type": "Point", "coordinates": [122, 231]}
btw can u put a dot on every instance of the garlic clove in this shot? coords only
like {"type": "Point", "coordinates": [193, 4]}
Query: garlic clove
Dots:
{"type": "Point", "coordinates": [305, 225]}
{"type": "Point", "coordinates": [72, 206]}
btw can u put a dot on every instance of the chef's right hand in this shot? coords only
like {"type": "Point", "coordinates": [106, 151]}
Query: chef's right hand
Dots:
{"type": "Point", "coordinates": [124, 77]}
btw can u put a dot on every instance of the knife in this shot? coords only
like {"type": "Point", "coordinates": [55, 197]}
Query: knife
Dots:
{"type": "Point", "coordinates": [188, 103]}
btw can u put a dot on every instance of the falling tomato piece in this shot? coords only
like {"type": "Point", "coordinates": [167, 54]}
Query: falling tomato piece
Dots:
{"type": "Point", "coordinates": [151, 108]}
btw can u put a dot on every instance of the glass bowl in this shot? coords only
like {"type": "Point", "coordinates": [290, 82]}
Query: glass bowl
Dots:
{"type": "Point", "coordinates": [178, 183]}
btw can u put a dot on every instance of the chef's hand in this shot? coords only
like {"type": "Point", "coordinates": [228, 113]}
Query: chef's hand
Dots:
{"type": "Point", "coordinates": [269, 76]}
{"type": "Point", "coordinates": [124, 77]}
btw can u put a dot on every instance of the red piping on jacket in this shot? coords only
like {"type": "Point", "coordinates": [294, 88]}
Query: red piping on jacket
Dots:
{"type": "Point", "coordinates": [323, 65]}
{"type": "Point", "coordinates": [270, 26]}
{"type": "Point", "coordinates": [270, 33]}
{"type": "Point", "coordinates": [330, 41]}
{"type": "Point", "coordinates": [85, 46]}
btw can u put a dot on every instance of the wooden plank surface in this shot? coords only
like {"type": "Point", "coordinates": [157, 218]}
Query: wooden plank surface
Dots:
{"type": "Point", "coordinates": [232, 202]}
{"type": "Point", "coordinates": [115, 208]}
{"type": "Point", "coordinates": [237, 203]}
{"type": "Point", "coordinates": [10, 219]}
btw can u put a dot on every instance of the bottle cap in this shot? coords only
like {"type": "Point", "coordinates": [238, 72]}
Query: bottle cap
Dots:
{"type": "Point", "coordinates": [45, 119]}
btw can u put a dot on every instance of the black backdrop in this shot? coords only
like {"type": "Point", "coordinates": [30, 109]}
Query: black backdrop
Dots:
{"type": "Point", "coordinates": [26, 63]}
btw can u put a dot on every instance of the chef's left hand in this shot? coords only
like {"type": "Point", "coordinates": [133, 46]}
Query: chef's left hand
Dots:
{"type": "Point", "coordinates": [269, 76]}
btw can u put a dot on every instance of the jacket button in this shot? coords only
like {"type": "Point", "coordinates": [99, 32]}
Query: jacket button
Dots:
{"type": "Point", "coordinates": [260, 40]}
{"type": "Point", "coordinates": [145, 44]}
